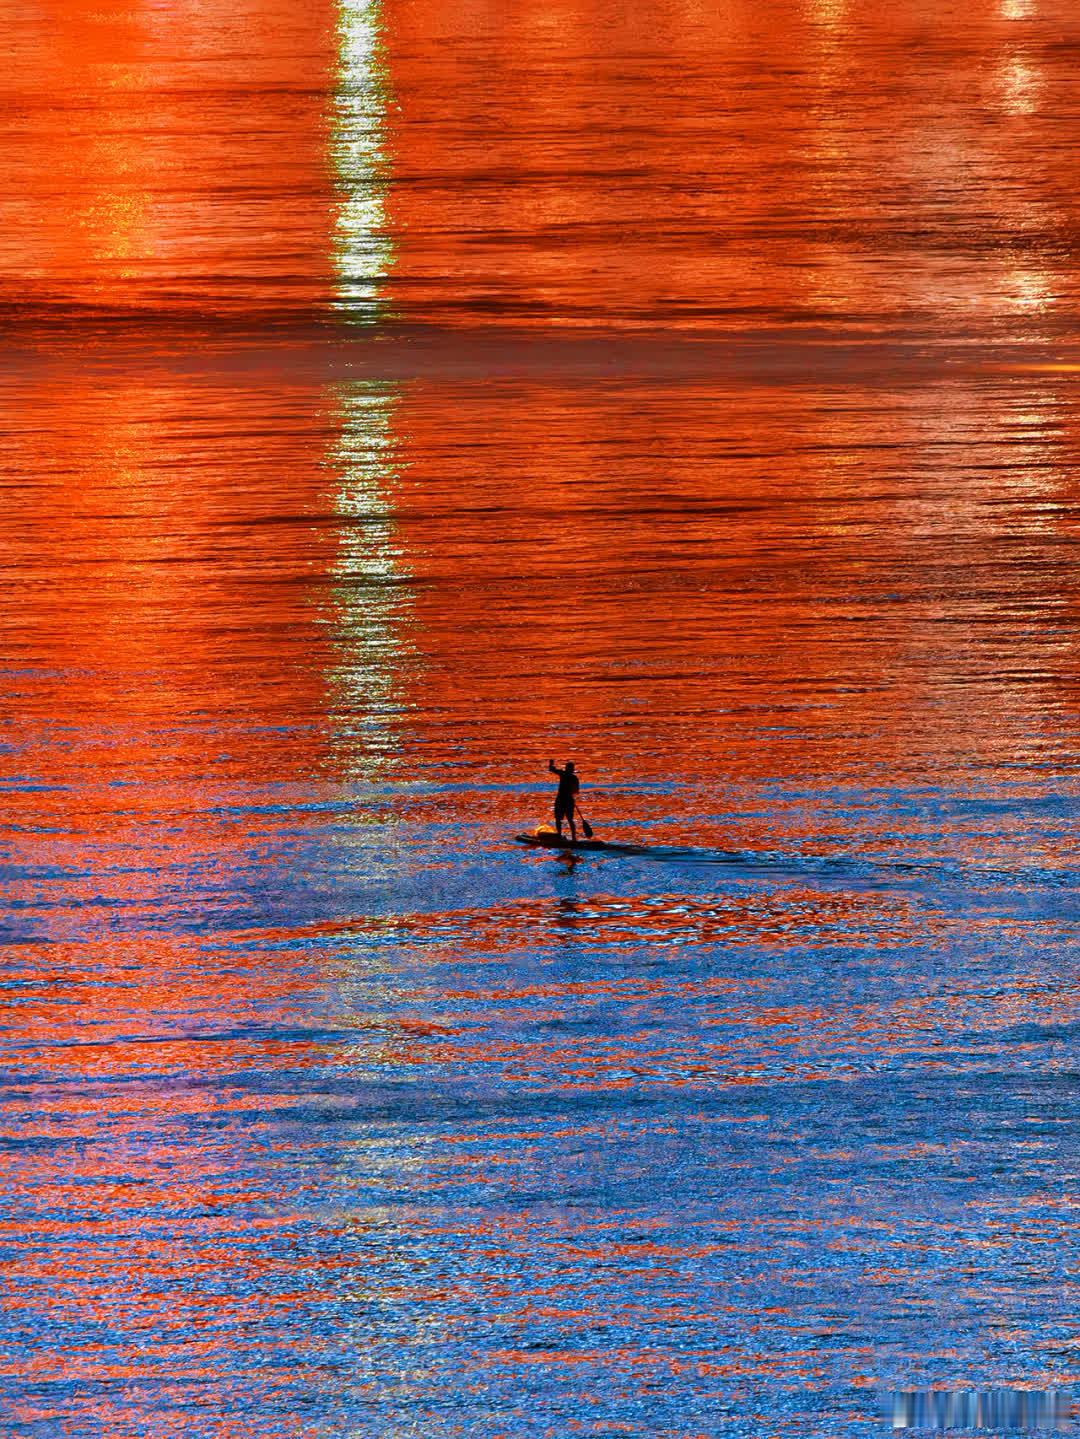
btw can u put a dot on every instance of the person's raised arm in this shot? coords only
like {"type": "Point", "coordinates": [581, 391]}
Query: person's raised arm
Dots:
{"type": "Point", "coordinates": [552, 769]}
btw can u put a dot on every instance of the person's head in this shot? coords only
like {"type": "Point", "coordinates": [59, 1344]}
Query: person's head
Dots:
{"type": "Point", "coordinates": [570, 765]}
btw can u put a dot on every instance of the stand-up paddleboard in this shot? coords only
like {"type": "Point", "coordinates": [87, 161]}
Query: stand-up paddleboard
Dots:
{"type": "Point", "coordinates": [544, 837]}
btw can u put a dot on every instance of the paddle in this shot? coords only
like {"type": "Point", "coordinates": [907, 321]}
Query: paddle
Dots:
{"type": "Point", "coordinates": [586, 827]}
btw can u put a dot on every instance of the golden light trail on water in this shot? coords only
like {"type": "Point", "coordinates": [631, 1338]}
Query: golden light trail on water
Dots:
{"type": "Point", "coordinates": [368, 570]}
{"type": "Point", "coordinates": [363, 250]}
{"type": "Point", "coordinates": [368, 564]}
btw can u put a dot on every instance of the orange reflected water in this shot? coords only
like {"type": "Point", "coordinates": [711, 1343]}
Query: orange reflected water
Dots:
{"type": "Point", "coordinates": [710, 584]}
{"type": "Point", "coordinates": [691, 165]}
{"type": "Point", "coordinates": [168, 161]}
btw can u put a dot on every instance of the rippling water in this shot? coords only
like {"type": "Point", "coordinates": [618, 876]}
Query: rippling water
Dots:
{"type": "Point", "coordinates": [396, 396]}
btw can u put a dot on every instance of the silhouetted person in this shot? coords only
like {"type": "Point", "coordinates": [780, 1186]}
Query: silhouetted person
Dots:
{"type": "Point", "coordinates": [564, 800]}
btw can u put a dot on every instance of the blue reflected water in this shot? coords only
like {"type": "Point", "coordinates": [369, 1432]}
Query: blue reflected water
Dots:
{"type": "Point", "coordinates": [399, 1126]}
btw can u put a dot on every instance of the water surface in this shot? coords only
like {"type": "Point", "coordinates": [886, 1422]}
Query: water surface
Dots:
{"type": "Point", "coordinates": [397, 397]}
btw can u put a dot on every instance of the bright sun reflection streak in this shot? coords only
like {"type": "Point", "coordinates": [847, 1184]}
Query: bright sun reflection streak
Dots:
{"type": "Point", "coordinates": [368, 569]}
{"type": "Point", "coordinates": [1020, 87]}
{"type": "Point", "coordinates": [828, 12]}
{"type": "Point", "coordinates": [367, 562]}
{"type": "Point", "coordinates": [362, 250]}
{"type": "Point", "coordinates": [1028, 290]}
